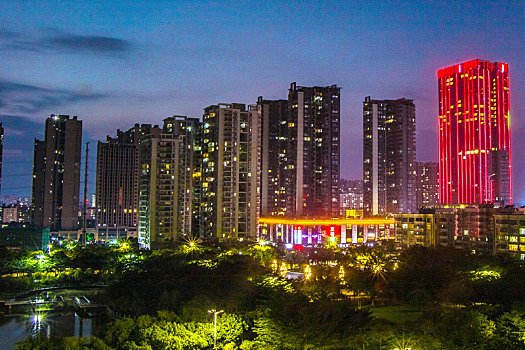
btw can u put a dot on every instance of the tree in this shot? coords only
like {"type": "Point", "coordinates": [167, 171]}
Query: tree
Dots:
{"type": "Point", "coordinates": [465, 328]}
{"type": "Point", "coordinates": [119, 332]}
{"type": "Point", "coordinates": [510, 331]}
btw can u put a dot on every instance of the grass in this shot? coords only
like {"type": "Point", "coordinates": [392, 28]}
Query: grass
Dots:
{"type": "Point", "coordinates": [398, 314]}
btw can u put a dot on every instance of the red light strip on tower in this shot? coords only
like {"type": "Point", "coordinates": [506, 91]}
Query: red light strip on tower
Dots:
{"type": "Point", "coordinates": [468, 153]}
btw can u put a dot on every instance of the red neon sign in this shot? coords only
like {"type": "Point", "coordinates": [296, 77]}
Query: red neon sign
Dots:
{"type": "Point", "coordinates": [332, 230]}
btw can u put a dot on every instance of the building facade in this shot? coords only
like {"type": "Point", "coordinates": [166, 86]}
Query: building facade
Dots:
{"type": "Point", "coordinates": [474, 133]}
{"type": "Point", "coordinates": [313, 151]}
{"type": "Point", "coordinates": [473, 227]}
{"type": "Point", "coordinates": [427, 184]}
{"type": "Point", "coordinates": [168, 182]}
{"type": "Point", "coordinates": [389, 149]}
{"type": "Point", "coordinates": [17, 213]}
{"type": "Point", "coordinates": [351, 195]}
{"type": "Point", "coordinates": [425, 228]}
{"type": "Point", "coordinates": [1, 151]}
{"type": "Point", "coordinates": [230, 171]}
{"type": "Point", "coordinates": [510, 234]}
{"type": "Point", "coordinates": [301, 232]}
{"type": "Point", "coordinates": [117, 188]}
{"type": "Point", "coordinates": [25, 237]}
{"type": "Point", "coordinates": [274, 157]}
{"type": "Point", "coordinates": [56, 174]}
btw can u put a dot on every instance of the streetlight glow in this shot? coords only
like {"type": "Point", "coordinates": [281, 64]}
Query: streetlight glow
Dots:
{"type": "Point", "coordinates": [215, 313]}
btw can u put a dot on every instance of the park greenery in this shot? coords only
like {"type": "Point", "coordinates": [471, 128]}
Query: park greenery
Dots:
{"type": "Point", "coordinates": [353, 298]}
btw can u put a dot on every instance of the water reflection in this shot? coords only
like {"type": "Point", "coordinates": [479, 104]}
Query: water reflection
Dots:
{"type": "Point", "coordinates": [24, 321]}
{"type": "Point", "coordinates": [38, 325]}
{"type": "Point", "coordinates": [59, 324]}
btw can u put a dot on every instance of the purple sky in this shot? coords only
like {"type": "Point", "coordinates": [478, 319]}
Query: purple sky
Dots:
{"type": "Point", "coordinates": [117, 63]}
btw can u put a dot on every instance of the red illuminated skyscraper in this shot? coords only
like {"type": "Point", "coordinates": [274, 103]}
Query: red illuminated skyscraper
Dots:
{"type": "Point", "coordinates": [474, 133]}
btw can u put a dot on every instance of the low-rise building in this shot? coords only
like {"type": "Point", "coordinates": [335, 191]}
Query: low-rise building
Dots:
{"type": "Point", "coordinates": [426, 228]}
{"type": "Point", "coordinates": [24, 237]}
{"type": "Point", "coordinates": [510, 234]}
{"type": "Point", "coordinates": [16, 213]}
{"type": "Point", "coordinates": [464, 227]}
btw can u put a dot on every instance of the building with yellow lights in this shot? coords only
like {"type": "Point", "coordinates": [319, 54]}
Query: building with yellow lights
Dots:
{"type": "Point", "coordinates": [300, 152]}
{"type": "Point", "coordinates": [230, 171]}
{"type": "Point", "coordinates": [477, 228]}
{"type": "Point", "coordinates": [510, 234]}
{"type": "Point", "coordinates": [168, 188]}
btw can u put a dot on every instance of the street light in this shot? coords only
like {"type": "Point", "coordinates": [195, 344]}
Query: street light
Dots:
{"type": "Point", "coordinates": [215, 313]}
{"type": "Point", "coordinates": [40, 258]}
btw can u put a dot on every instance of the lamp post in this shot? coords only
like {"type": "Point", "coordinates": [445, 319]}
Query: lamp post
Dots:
{"type": "Point", "coordinates": [215, 313]}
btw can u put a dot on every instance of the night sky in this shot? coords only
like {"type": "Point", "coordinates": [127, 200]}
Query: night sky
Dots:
{"type": "Point", "coordinates": [117, 63]}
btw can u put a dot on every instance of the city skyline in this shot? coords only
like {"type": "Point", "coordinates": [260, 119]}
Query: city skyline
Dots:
{"type": "Point", "coordinates": [113, 78]}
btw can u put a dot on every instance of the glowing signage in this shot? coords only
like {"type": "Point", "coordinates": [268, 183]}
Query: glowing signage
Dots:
{"type": "Point", "coordinates": [333, 230]}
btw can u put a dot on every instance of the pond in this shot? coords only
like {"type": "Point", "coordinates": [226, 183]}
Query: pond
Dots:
{"type": "Point", "coordinates": [26, 321]}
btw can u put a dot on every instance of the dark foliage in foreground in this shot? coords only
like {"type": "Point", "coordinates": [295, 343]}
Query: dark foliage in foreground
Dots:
{"type": "Point", "coordinates": [431, 298]}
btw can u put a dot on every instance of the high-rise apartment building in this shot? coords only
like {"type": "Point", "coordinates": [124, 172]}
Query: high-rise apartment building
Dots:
{"type": "Point", "coordinates": [300, 153]}
{"type": "Point", "coordinates": [474, 133]}
{"type": "Point", "coordinates": [168, 182]}
{"type": "Point", "coordinates": [374, 157]}
{"type": "Point", "coordinates": [56, 174]}
{"type": "Point", "coordinates": [389, 149]}
{"type": "Point", "coordinates": [1, 151]}
{"type": "Point", "coordinates": [117, 188]}
{"type": "Point", "coordinates": [230, 171]}
{"type": "Point", "coordinates": [313, 151]}
{"type": "Point", "coordinates": [274, 159]}
{"type": "Point", "coordinates": [427, 184]}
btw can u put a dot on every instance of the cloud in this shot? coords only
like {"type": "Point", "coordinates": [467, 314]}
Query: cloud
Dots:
{"type": "Point", "coordinates": [24, 98]}
{"type": "Point", "coordinates": [89, 43]}
{"type": "Point", "coordinates": [65, 42]}
{"type": "Point", "coordinates": [5, 33]}
{"type": "Point", "coordinates": [18, 134]}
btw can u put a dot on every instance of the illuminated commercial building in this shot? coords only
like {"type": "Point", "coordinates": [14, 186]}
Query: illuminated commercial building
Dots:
{"type": "Point", "coordinates": [319, 231]}
{"type": "Point", "coordinates": [313, 151]}
{"type": "Point", "coordinates": [169, 161]}
{"type": "Point", "coordinates": [427, 184]}
{"type": "Point", "coordinates": [389, 149]}
{"type": "Point", "coordinates": [56, 174]}
{"type": "Point", "coordinates": [230, 171]}
{"type": "Point", "coordinates": [474, 133]}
